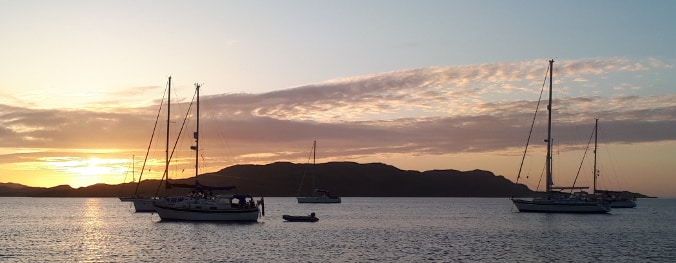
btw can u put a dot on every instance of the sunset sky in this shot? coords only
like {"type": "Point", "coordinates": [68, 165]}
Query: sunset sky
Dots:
{"type": "Point", "coordinates": [420, 85]}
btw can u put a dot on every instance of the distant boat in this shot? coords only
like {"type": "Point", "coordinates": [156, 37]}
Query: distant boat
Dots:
{"type": "Point", "coordinates": [319, 195]}
{"type": "Point", "coordinates": [201, 205]}
{"type": "Point", "coordinates": [554, 201]}
{"type": "Point", "coordinates": [144, 204]}
{"type": "Point", "coordinates": [622, 202]}
{"type": "Point", "coordinates": [133, 178]}
{"type": "Point", "coordinates": [141, 202]}
{"type": "Point", "coordinates": [616, 199]}
{"type": "Point", "coordinates": [308, 218]}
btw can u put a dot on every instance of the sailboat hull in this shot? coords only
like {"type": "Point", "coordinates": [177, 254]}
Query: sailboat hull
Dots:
{"type": "Point", "coordinates": [144, 205]}
{"type": "Point", "coordinates": [561, 206]}
{"type": "Point", "coordinates": [219, 208]}
{"type": "Point", "coordinates": [622, 204]}
{"type": "Point", "coordinates": [187, 214]}
{"type": "Point", "coordinates": [319, 199]}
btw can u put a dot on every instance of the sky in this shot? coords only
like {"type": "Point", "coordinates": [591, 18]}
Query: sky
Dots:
{"type": "Point", "coordinates": [419, 85]}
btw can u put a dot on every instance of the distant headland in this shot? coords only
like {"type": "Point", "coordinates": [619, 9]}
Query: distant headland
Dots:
{"type": "Point", "coordinates": [283, 179]}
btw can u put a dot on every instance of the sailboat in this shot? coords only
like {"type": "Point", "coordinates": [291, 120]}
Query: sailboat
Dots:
{"type": "Point", "coordinates": [144, 204]}
{"type": "Point", "coordinates": [141, 203]}
{"type": "Point", "coordinates": [616, 199]}
{"type": "Point", "coordinates": [320, 196]}
{"type": "Point", "coordinates": [129, 198]}
{"type": "Point", "coordinates": [203, 205]}
{"type": "Point", "coordinates": [555, 201]}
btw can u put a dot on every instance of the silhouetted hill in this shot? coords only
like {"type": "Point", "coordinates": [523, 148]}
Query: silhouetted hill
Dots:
{"type": "Point", "coordinates": [365, 180]}
{"type": "Point", "coordinates": [284, 179]}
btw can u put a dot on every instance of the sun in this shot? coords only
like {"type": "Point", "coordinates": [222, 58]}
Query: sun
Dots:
{"type": "Point", "coordinates": [88, 171]}
{"type": "Point", "coordinates": [92, 166]}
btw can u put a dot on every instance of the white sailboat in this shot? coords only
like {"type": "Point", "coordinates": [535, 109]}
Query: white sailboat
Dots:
{"type": "Point", "coordinates": [202, 205]}
{"type": "Point", "coordinates": [320, 196]}
{"type": "Point", "coordinates": [617, 200]}
{"type": "Point", "coordinates": [141, 203]}
{"type": "Point", "coordinates": [133, 178]}
{"type": "Point", "coordinates": [145, 203]}
{"type": "Point", "coordinates": [620, 201]}
{"type": "Point", "coordinates": [554, 201]}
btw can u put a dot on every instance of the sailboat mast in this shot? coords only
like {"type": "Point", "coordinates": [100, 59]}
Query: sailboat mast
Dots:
{"type": "Point", "coordinates": [314, 152]}
{"type": "Point", "coordinates": [197, 130]}
{"type": "Point", "coordinates": [314, 159]}
{"type": "Point", "coordinates": [549, 181]}
{"type": "Point", "coordinates": [166, 145]}
{"type": "Point", "coordinates": [596, 136]}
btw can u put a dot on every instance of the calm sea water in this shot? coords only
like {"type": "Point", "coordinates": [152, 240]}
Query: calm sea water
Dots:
{"type": "Point", "coordinates": [358, 230]}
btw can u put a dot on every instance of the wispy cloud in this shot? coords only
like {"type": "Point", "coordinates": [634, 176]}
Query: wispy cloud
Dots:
{"type": "Point", "coordinates": [437, 110]}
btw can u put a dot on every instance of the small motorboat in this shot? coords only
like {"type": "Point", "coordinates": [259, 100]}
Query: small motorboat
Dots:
{"type": "Point", "coordinates": [309, 218]}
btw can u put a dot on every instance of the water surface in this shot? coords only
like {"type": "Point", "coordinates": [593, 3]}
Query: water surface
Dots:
{"type": "Point", "coordinates": [357, 230]}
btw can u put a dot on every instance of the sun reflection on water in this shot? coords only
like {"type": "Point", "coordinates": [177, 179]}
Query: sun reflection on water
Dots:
{"type": "Point", "coordinates": [92, 232]}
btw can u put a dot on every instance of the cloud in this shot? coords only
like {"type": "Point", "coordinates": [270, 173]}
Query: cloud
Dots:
{"type": "Point", "coordinates": [40, 128]}
{"type": "Point", "coordinates": [436, 110]}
